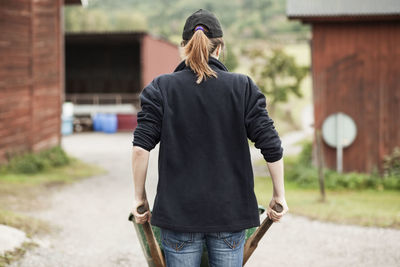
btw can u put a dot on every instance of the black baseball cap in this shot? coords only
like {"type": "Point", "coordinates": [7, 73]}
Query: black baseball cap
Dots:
{"type": "Point", "coordinates": [205, 18]}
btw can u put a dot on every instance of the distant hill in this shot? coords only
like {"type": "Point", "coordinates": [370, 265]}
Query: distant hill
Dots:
{"type": "Point", "coordinates": [240, 19]}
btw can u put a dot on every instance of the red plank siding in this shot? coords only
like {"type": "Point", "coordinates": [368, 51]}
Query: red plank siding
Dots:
{"type": "Point", "coordinates": [355, 70]}
{"type": "Point", "coordinates": [152, 51]}
{"type": "Point", "coordinates": [31, 85]}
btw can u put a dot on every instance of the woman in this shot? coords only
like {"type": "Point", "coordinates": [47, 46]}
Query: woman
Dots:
{"type": "Point", "coordinates": [202, 115]}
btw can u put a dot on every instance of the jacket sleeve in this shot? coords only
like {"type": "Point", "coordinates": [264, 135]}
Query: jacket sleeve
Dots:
{"type": "Point", "coordinates": [149, 119]}
{"type": "Point", "coordinates": [259, 126]}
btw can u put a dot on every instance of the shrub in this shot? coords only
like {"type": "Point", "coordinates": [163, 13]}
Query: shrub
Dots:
{"type": "Point", "coordinates": [55, 156]}
{"type": "Point", "coordinates": [352, 180]}
{"type": "Point", "coordinates": [27, 163]}
{"type": "Point", "coordinates": [391, 163]}
{"type": "Point", "coordinates": [305, 156]}
{"type": "Point", "coordinates": [300, 170]}
{"type": "Point", "coordinates": [31, 163]}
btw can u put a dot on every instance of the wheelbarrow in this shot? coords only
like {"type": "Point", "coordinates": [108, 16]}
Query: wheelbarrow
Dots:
{"type": "Point", "coordinates": [150, 239]}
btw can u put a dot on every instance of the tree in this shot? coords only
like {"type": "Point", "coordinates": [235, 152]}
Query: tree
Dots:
{"type": "Point", "coordinates": [229, 59]}
{"type": "Point", "coordinates": [277, 75]}
{"type": "Point", "coordinates": [260, 19]}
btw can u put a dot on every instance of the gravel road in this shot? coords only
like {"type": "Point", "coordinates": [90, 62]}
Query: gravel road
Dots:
{"type": "Point", "coordinates": [94, 230]}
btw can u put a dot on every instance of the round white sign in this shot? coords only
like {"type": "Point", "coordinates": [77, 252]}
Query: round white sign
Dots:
{"type": "Point", "coordinates": [339, 128]}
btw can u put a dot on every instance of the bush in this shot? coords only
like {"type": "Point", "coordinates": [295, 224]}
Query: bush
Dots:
{"type": "Point", "coordinates": [55, 156]}
{"type": "Point", "coordinates": [31, 163]}
{"type": "Point", "coordinates": [303, 173]}
{"type": "Point", "coordinates": [391, 163]}
{"type": "Point", "coordinates": [391, 182]}
{"type": "Point", "coordinates": [352, 180]}
{"type": "Point", "coordinates": [27, 163]}
{"type": "Point", "coordinates": [305, 156]}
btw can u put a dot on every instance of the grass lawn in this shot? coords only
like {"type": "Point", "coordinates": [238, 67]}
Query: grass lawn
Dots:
{"type": "Point", "coordinates": [365, 207]}
{"type": "Point", "coordinates": [62, 175]}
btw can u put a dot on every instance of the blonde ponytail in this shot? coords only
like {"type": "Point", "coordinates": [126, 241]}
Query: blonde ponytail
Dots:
{"type": "Point", "coordinates": [197, 52]}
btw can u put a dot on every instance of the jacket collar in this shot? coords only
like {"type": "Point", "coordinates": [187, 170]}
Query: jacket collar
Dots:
{"type": "Point", "coordinates": [212, 61]}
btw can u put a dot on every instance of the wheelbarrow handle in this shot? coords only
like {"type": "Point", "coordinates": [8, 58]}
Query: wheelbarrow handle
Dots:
{"type": "Point", "coordinates": [141, 209]}
{"type": "Point", "coordinates": [252, 243]}
{"type": "Point", "coordinates": [155, 249]}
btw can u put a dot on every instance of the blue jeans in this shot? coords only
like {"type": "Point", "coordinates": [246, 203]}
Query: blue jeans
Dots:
{"type": "Point", "coordinates": [185, 249]}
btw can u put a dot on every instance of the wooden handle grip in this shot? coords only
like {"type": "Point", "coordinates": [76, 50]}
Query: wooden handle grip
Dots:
{"type": "Point", "coordinates": [252, 243]}
{"type": "Point", "coordinates": [278, 208]}
{"type": "Point", "coordinates": [141, 209]}
{"type": "Point", "coordinates": [155, 249]}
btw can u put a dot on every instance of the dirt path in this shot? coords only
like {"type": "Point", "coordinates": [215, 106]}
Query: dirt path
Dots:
{"type": "Point", "coordinates": [298, 241]}
{"type": "Point", "coordinates": [92, 216]}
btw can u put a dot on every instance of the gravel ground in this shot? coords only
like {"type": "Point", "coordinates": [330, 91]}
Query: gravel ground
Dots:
{"type": "Point", "coordinates": [92, 215]}
{"type": "Point", "coordinates": [10, 238]}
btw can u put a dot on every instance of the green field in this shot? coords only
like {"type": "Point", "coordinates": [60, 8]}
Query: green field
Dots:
{"type": "Point", "coordinates": [366, 207]}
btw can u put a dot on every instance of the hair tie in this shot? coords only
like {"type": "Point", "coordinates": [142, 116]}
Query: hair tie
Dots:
{"type": "Point", "coordinates": [199, 28]}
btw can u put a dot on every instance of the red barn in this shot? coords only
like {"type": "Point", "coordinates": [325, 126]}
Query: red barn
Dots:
{"type": "Point", "coordinates": [113, 67]}
{"type": "Point", "coordinates": [108, 70]}
{"type": "Point", "coordinates": [31, 74]}
{"type": "Point", "coordinates": [32, 70]}
{"type": "Point", "coordinates": [356, 70]}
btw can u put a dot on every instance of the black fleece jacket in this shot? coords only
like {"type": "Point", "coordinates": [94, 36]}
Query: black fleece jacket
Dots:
{"type": "Point", "coordinates": [206, 181]}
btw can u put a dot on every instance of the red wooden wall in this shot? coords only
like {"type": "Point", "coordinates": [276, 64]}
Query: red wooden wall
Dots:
{"type": "Point", "coordinates": [31, 75]}
{"type": "Point", "coordinates": [356, 70]}
{"type": "Point", "coordinates": [158, 57]}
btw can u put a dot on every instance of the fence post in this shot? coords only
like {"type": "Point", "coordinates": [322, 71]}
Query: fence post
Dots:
{"type": "Point", "coordinates": [320, 163]}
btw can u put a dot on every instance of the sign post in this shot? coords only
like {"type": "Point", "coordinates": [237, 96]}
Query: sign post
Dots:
{"type": "Point", "coordinates": [339, 131]}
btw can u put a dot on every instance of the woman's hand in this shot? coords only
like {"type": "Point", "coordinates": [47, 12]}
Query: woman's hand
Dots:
{"type": "Point", "coordinates": [141, 218]}
{"type": "Point", "coordinates": [273, 215]}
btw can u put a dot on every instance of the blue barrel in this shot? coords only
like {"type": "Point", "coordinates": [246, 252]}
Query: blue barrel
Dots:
{"type": "Point", "coordinates": [67, 125]}
{"type": "Point", "coordinates": [109, 123]}
{"type": "Point", "coordinates": [97, 122]}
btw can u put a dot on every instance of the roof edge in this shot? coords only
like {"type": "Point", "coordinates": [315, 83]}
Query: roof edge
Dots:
{"type": "Point", "coordinates": [76, 2]}
{"type": "Point", "coordinates": [345, 18]}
